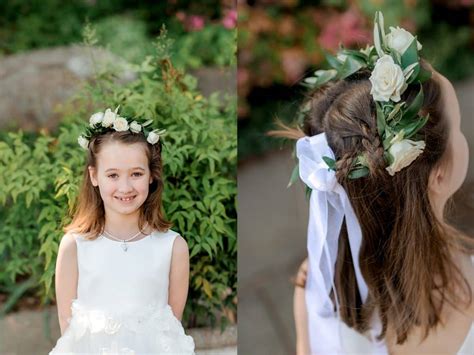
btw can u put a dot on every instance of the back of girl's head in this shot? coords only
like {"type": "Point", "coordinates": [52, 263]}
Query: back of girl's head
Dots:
{"type": "Point", "coordinates": [89, 213]}
{"type": "Point", "coordinates": [406, 251]}
{"type": "Point", "coordinates": [346, 111]}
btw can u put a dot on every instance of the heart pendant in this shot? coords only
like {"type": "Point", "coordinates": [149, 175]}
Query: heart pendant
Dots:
{"type": "Point", "coordinates": [124, 247]}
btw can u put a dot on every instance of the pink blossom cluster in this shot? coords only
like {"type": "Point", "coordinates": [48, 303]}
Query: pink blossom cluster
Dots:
{"type": "Point", "coordinates": [230, 19]}
{"type": "Point", "coordinates": [193, 22]}
{"type": "Point", "coordinates": [347, 28]}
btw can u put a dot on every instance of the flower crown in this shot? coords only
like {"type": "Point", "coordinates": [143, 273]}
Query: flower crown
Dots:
{"type": "Point", "coordinates": [101, 122]}
{"type": "Point", "coordinates": [394, 64]}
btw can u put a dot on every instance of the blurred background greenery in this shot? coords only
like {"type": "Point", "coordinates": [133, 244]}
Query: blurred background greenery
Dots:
{"type": "Point", "coordinates": [282, 41]}
{"type": "Point", "coordinates": [125, 27]}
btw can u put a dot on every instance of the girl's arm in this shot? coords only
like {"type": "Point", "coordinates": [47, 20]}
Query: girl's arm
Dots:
{"type": "Point", "coordinates": [179, 277]}
{"type": "Point", "coordinates": [66, 279]}
{"type": "Point", "coordinates": [300, 312]}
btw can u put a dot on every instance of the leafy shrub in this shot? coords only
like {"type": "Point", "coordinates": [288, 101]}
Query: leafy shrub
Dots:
{"type": "Point", "coordinates": [126, 27]}
{"type": "Point", "coordinates": [213, 45]}
{"type": "Point", "coordinates": [125, 36]}
{"type": "Point", "coordinates": [40, 175]}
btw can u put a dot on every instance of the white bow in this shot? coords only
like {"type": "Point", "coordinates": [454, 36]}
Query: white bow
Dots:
{"type": "Point", "coordinates": [329, 204]}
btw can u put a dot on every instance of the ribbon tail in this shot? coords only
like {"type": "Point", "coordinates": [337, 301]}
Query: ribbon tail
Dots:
{"type": "Point", "coordinates": [354, 234]}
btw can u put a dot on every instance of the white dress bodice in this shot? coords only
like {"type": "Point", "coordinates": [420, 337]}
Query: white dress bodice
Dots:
{"type": "Point", "coordinates": [121, 281]}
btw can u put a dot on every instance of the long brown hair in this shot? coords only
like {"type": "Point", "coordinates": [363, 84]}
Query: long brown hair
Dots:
{"type": "Point", "coordinates": [89, 214]}
{"type": "Point", "coordinates": [406, 253]}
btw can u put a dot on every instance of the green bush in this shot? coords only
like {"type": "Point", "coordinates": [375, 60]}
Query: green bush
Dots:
{"type": "Point", "coordinates": [40, 175]}
{"type": "Point", "coordinates": [213, 45]}
{"type": "Point", "coordinates": [126, 27]}
{"type": "Point", "coordinates": [125, 36]}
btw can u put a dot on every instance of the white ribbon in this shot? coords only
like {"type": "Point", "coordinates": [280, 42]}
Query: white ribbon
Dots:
{"type": "Point", "coordinates": [329, 204]}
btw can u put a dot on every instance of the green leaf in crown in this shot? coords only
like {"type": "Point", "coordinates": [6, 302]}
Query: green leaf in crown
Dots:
{"type": "Point", "coordinates": [101, 122]}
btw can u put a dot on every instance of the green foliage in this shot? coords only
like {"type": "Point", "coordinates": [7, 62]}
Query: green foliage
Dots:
{"type": "Point", "coordinates": [125, 28]}
{"type": "Point", "coordinates": [40, 175]}
{"type": "Point", "coordinates": [35, 24]}
{"type": "Point", "coordinates": [213, 45]}
{"type": "Point", "coordinates": [125, 36]}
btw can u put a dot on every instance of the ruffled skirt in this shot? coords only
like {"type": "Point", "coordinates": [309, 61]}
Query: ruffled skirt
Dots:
{"type": "Point", "coordinates": [153, 330]}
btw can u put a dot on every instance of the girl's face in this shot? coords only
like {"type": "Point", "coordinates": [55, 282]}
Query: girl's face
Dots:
{"type": "Point", "coordinates": [123, 177]}
{"type": "Point", "coordinates": [447, 180]}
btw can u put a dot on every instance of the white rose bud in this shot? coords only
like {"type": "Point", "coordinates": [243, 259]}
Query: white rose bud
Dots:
{"type": "Point", "coordinates": [400, 39]}
{"type": "Point", "coordinates": [83, 142]}
{"type": "Point", "coordinates": [96, 118]}
{"type": "Point", "coordinates": [120, 124]}
{"type": "Point", "coordinates": [404, 153]}
{"type": "Point", "coordinates": [135, 127]}
{"type": "Point", "coordinates": [388, 81]}
{"type": "Point", "coordinates": [109, 118]}
{"type": "Point", "coordinates": [153, 138]}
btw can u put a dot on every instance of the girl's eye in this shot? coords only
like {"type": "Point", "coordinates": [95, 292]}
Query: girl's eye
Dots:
{"type": "Point", "coordinates": [134, 174]}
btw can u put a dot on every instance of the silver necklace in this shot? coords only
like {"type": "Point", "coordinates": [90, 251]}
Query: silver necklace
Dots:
{"type": "Point", "coordinates": [124, 241]}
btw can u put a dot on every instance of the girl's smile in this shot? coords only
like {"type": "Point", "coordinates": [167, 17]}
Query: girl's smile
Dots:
{"type": "Point", "coordinates": [126, 199]}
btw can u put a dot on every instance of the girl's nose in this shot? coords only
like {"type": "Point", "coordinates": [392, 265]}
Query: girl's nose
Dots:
{"type": "Point", "coordinates": [125, 185]}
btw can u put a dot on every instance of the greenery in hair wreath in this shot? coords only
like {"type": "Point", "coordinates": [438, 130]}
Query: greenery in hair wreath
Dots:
{"type": "Point", "coordinates": [393, 56]}
{"type": "Point", "coordinates": [100, 123]}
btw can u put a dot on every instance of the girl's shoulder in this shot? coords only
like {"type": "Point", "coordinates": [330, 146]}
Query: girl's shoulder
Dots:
{"type": "Point", "coordinates": [180, 247]}
{"type": "Point", "coordinates": [74, 237]}
{"type": "Point", "coordinates": [169, 234]}
{"type": "Point", "coordinates": [67, 244]}
{"type": "Point", "coordinates": [176, 242]}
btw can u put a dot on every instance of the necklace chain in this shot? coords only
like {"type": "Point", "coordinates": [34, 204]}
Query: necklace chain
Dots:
{"type": "Point", "coordinates": [124, 241]}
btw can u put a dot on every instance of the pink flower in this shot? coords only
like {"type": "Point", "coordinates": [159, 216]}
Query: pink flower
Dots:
{"type": "Point", "coordinates": [195, 23]}
{"type": "Point", "coordinates": [347, 29]}
{"type": "Point", "coordinates": [230, 19]}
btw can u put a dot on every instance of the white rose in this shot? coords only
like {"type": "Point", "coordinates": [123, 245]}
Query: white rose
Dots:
{"type": "Point", "coordinates": [388, 81]}
{"type": "Point", "coordinates": [404, 153]}
{"type": "Point", "coordinates": [96, 118]}
{"type": "Point", "coordinates": [109, 118]}
{"type": "Point", "coordinates": [153, 138]}
{"type": "Point", "coordinates": [400, 39]}
{"type": "Point", "coordinates": [120, 124]}
{"type": "Point", "coordinates": [83, 142]}
{"type": "Point", "coordinates": [135, 127]}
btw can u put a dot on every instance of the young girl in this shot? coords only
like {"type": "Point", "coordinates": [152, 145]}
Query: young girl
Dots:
{"type": "Point", "coordinates": [382, 152]}
{"type": "Point", "coordinates": [121, 273]}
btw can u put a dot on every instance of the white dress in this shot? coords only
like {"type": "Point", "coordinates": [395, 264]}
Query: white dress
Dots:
{"type": "Point", "coordinates": [122, 300]}
{"type": "Point", "coordinates": [355, 343]}
{"type": "Point", "coordinates": [333, 337]}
